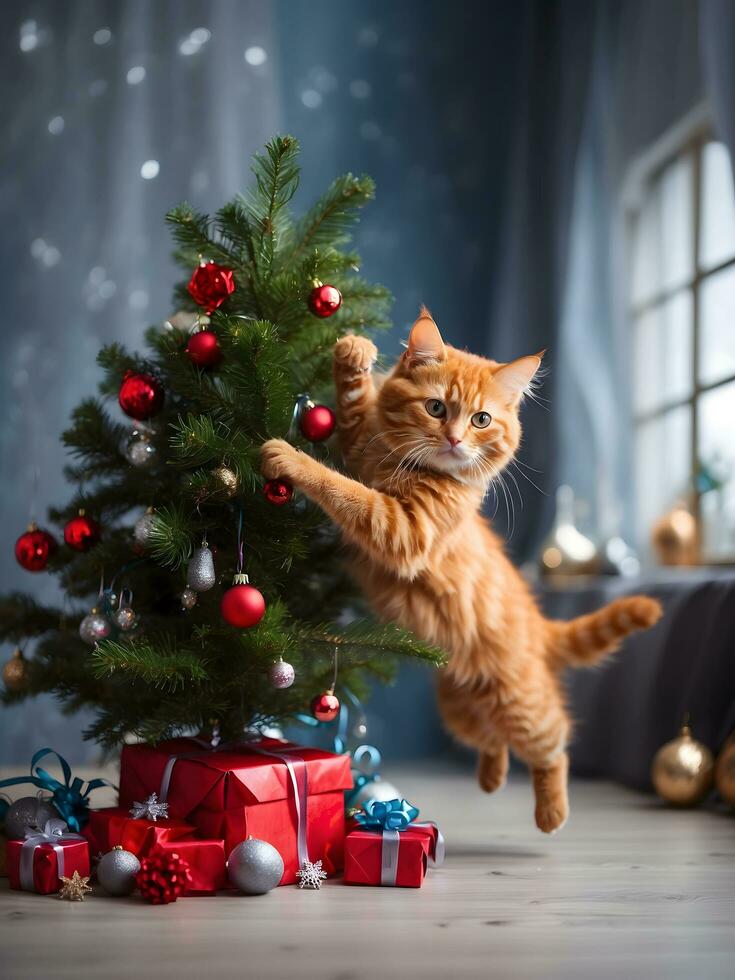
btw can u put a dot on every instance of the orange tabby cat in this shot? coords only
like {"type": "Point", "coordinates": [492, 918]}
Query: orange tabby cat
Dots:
{"type": "Point", "coordinates": [423, 444]}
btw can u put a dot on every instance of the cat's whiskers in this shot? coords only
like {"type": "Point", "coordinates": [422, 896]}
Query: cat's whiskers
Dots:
{"type": "Point", "coordinates": [414, 457]}
{"type": "Point", "coordinates": [517, 463]}
{"type": "Point", "coordinates": [383, 434]}
{"type": "Point", "coordinates": [398, 448]}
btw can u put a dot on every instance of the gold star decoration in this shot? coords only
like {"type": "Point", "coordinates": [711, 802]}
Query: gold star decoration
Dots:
{"type": "Point", "coordinates": [73, 888]}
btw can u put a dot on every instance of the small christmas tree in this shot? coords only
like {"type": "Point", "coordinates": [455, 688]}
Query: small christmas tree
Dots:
{"type": "Point", "coordinates": [180, 494]}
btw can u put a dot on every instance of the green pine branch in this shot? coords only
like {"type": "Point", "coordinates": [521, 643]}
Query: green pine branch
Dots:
{"type": "Point", "coordinates": [161, 666]}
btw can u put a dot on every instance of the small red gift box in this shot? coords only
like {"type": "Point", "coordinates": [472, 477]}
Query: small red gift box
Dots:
{"type": "Point", "coordinates": [207, 864]}
{"type": "Point", "coordinates": [235, 791]}
{"type": "Point", "coordinates": [47, 864]}
{"type": "Point", "coordinates": [114, 826]}
{"type": "Point", "coordinates": [365, 860]}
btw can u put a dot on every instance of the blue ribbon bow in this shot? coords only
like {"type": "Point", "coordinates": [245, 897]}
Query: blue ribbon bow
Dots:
{"type": "Point", "coordinates": [387, 815]}
{"type": "Point", "coordinates": [70, 797]}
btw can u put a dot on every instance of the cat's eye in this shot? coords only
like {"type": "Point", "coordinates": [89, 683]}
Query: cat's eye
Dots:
{"type": "Point", "coordinates": [481, 420]}
{"type": "Point", "coordinates": [435, 408]}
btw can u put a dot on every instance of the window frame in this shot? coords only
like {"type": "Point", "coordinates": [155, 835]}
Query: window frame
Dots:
{"type": "Point", "coordinates": [686, 141]}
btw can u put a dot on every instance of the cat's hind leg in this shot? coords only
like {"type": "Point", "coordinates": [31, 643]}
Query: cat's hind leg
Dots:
{"type": "Point", "coordinates": [492, 768]}
{"type": "Point", "coordinates": [467, 719]}
{"type": "Point", "coordinates": [550, 788]}
{"type": "Point", "coordinates": [538, 729]}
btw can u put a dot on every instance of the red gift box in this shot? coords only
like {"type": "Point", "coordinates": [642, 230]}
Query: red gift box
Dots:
{"type": "Point", "coordinates": [232, 792]}
{"type": "Point", "coordinates": [412, 847]}
{"type": "Point", "coordinates": [48, 865]}
{"type": "Point", "coordinates": [207, 863]}
{"type": "Point", "coordinates": [114, 826]}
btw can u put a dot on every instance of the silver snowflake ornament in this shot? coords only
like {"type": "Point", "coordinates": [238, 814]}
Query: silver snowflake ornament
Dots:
{"type": "Point", "coordinates": [311, 874]}
{"type": "Point", "coordinates": [150, 810]}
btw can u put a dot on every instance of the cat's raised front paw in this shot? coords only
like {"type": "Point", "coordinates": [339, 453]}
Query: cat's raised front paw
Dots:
{"type": "Point", "coordinates": [279, 459]}
{"type": "Point", "coordinates": [356, 354]}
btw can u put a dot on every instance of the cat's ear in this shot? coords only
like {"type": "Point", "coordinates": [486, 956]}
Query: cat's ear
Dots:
{"type": "Point", "coordinates": [514, 379]}
{"type": "Point", "coordinates": [425, 343]}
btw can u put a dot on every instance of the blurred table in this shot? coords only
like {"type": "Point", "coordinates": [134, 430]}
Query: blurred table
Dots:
{"type": "Point", "coordinates": [627, 708]}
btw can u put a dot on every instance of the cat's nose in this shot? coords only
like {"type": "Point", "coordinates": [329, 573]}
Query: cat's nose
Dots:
{"type": "Point", "coordinates": [453, 441]}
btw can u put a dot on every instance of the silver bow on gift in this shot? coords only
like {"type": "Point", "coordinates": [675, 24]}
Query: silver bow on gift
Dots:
{"type": "Point", "coordinates": [150, 810]}
{"type": "Point", "coordinates": [54, 832]}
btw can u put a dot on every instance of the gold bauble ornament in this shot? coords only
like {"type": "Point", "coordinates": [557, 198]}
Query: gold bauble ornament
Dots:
{"type": "Point", "coordinates": [226, 481]}
{"type": "Point", "coordinates": [675, 537]}
{"type": "Point", "coordinates": [725, 771]}
{"type": "Point", "coordinates": [15, 671]}
{"type": "Point", "coordinates": [683, 770]}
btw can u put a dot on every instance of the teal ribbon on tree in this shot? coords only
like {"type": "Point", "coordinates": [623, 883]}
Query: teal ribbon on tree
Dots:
{"type": "Point", "coordinates": [70, 798]}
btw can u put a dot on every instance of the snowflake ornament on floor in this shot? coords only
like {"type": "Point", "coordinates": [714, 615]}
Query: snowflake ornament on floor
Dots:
{"type": "Point", "coordinates": [150, 810]}
{"type": "Point", "coordinates": [311, 874]}
{"type": "Point", "coordinates": [73, 889]}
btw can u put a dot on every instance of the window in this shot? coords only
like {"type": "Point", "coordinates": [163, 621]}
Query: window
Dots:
{"type": "Point", "coordinates": [682, 307]}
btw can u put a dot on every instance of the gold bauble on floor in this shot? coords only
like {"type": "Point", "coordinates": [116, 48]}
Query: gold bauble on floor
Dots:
{"type": "Point", "coordinates": [683, 770]}
{"type": "Point", "coordinates": [725, 771]}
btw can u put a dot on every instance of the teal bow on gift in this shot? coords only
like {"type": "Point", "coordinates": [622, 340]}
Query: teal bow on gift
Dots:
{"type": "Point", "coordinates": [70, 797]}
{"type": "Point", "coordinates": [387, 815]}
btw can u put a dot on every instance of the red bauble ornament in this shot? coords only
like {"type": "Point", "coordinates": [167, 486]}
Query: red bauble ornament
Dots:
{"type": "Point", "coordinates": [278, 492]}
{"type": "Point", "coordinates": [324, 300]}
{"type": "Point", "coordinates": [325, 707]}
{"type": "Point", "coordinates": [34, 548]}
{"type": "Point", "coordinates": [141, 395]}
{"type": "Point", "coordinates": [317, 423]}
{"type": "Point", "coordinates": [163, 878]}
{"type": "Point", "coordinates": [81, 532]}
{"type": "Point", "coordinates": [242, 605]}
{"type": "Point", "coordinates": [210, 285]}
{"type": "Point", "coordinates": [203, 349]}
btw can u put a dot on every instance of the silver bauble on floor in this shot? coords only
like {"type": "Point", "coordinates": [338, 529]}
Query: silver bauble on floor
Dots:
{"type": "Point", "coordinates": [116, 871]}
{"type": "Point", "coordinates": [255, 866]}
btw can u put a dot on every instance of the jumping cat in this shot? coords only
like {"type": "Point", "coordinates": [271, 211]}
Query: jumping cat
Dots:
{"type": "Point", "coordinates": [422, 445]}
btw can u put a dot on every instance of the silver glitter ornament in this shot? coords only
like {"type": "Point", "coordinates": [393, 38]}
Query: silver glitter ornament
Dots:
{"type": "Point", "coordinates": [28, 811]}
{"type": "Point", "coordinates": [144, 528]}
{"type": "Point", "coordinates": [116, 871]}
{"type": "Point", "coordinates": [255, 866]}
{"type": "Point", "coordinates": [188, 598]}
{"type": "Point", "coordinates": [94, 627]}
{"type": "Point", "coordinates": [140, 451]}
{"type": "Point", "coordinates": [200, 573]}
{"type": "Point", "coordinates": [125, 618]}
{"type": "Point", "coordinates": [376, 789]}
{"type": "Point", "coordinates": [281, 675]}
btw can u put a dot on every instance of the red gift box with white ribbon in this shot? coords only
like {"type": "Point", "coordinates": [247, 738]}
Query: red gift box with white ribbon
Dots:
{"type": "Point", "coordinates": [288, 795]}
{"type": "Point", "coordinates": [37, 863]}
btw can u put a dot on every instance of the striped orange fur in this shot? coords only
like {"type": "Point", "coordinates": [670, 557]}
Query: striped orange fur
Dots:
{"type": "Point", "coordinates": [421, 446]}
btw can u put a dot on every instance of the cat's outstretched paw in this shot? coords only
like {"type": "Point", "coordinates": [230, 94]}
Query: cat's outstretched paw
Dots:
{"type": "Point", "coordinates": [279, 459]}
{"type": "Point", "coordinates": [551, 816]}
{"type": "Point", "coordinates": [355, 354]}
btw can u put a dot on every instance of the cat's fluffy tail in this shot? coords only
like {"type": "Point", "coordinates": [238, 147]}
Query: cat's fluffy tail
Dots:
{"type": "Point", "coordinates": [582, 642]}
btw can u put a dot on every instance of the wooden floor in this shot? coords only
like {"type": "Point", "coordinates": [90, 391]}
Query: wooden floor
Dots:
{"type": "Point", "coordinates": [628, 889]}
